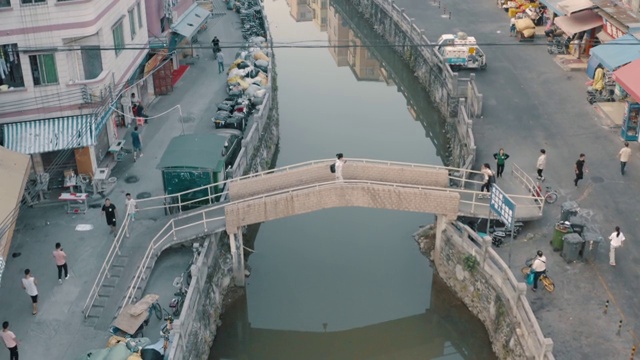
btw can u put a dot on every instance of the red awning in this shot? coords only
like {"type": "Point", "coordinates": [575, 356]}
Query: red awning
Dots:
{"type": "Point", "coordinates": [581, 21]}
{"type": "Point", "coordinates": [628, 77]}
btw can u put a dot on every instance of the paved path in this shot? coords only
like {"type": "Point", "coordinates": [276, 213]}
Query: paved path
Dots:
{"type": "Point", "coordinates": [59, 330]}
{"type": "Point", "coordinates": [530, 103]}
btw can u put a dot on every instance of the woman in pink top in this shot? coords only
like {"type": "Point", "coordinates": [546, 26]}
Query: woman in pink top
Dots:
{"type": "Point", "coordinates": [61, 262]}
{"type": "Point", "coordinates": [10, 340]}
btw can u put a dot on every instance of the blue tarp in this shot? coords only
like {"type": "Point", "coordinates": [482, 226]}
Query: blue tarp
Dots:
{"type": "Point", "coordinates": [616, 53]}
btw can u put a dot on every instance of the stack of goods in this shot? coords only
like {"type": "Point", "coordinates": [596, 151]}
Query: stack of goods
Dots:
{"type": "Point", "coordinates": [526, 28]}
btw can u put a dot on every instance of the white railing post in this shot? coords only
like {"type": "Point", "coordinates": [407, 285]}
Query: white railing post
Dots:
{"type": "Point", "coordinates": [204, 221]}
{"type": "Point", "coordinates": [173, 230]}
{"type": "Point", "coordinates": [179, 203]}
{"type": "Point", "coordinates": [210, 199]}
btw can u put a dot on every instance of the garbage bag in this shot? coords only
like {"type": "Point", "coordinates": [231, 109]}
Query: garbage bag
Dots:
{"type": "Point", "coordinates": [225, 107]}
{"type": "Point", "coordinates": [243, 65]}
{"type": "Point", "coordinates": [233, 79]}
{"type": "Point", "coordinates": [151, 354]}
{"type": "Point", "coordinates": [118, 352]}
{"type": "Point", "coordinates": [259, 55]}
{"type": "Point", "coordinates": [257, 101]}
{"type": "Point", "coordinates": [262, 65]}
{"type": "Point", "coordinates": [264, 79]}
{"type": "Point", "coordinates": [243, 84]}
{"type": "Point", "coordinates": [260, 93]}
{"type": "Point", "coordinates": [251, 90]}
{"type": "Point", "coordinates": [254, 72]}
{"type": "Point", "coordinates": [235, 91]}
{"type": "Point", "coordinates": [221, 115]}
{"type": "Point", "coordinates": [235, 73]}
{"type": "Point", "coordinates": [258, 40]}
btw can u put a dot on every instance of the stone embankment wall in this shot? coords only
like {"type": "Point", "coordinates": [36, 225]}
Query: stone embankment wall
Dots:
{"type": "Point", "coordinates": [479, 277]}
{"type": "Point", "coordinates": [195, 330]}
{"type": "Point", "coordinates": [456, 98]}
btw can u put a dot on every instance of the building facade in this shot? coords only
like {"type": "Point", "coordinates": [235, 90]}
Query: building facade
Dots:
{"type": "Point", "coordinates": [64, 64]}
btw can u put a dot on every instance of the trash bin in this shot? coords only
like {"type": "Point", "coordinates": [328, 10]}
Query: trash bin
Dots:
{"type": "Point", "coordinates": [561, 229]}
{"type": "Point", "coordinates": [568, 209]}
{"type": "Point", "coordinates": [578, 223]}
{"type": "Point", "coordinates": [592, 241]}
{"type": "Point", "coordinates": [572, 246]}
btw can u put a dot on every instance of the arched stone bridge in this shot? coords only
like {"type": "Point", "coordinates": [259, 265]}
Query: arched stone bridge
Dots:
{"type": "Point", "coordinates": [293, 190]}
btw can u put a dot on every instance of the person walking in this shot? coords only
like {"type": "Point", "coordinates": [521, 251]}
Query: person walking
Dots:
{"type": "Point", "coordinates": [539, 267]}
{"type": "Point", "coordinates": [215, 45]}
{"type": "Point", "coordinates": [616, 238]}
{"type": "Point", "coordinates": [500, 157]}
{"type": "Point", "coordinates": [10, 341]}
{"type": "Point", "coordinates": [29, 284]}
{"type": "Point", "coordinates": [136, 141]}
{"type": "Point", "coordinates": [340, 161]}
{"type": "Point", "coordinates": [512, 27]}
{"type": "Point", "coordinates": [580, 169]}
{"type": "Point", "coordinates": [109, 211]}
{"type": "Point", "coordinates": [220, 59]}
{"type": "Point", "coordinates": [138, 109]}
{"type": "Point", "coordinates": [488, 179]}
{"type": "Point", "coordinates": [624, 155]}
{"type": "Point", "coordinates": [540, 164]}
{"type": "Point", "coordinates": [61, 262]}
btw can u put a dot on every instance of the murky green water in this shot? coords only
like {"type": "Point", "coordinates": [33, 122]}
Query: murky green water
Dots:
{"type": "Point", "coordinates": [346, 283]}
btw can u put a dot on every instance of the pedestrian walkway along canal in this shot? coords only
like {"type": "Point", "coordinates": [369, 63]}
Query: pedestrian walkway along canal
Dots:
{"type": "Point", "coordinates": [346, 283]}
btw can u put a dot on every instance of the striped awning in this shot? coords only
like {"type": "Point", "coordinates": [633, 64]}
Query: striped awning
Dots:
{"type": "Point", "coordinates": [40, 136]}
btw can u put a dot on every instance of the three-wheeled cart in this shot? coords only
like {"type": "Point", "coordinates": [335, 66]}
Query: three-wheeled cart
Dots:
{"type": "Point", "coordinates": [132, 318]}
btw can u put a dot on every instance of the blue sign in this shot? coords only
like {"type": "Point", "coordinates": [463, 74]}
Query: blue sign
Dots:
{"type": "Point", "coordinates": [502, 205]}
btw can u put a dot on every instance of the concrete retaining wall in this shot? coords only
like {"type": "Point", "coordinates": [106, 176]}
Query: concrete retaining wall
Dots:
{"type": "Point", "coordinates": [479, 277]}
{"type": "Point", "coordinates": [444, 86]}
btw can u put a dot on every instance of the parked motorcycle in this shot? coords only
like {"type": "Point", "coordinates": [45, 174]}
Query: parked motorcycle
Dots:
{"type": "Point", "coordinates": [604, 95]}
{"type": "Point", "coordinates": [558, 46]}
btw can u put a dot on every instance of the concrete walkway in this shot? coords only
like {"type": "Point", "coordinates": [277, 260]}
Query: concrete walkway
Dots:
{"type": "Point", "coordinates": [59, 330]}
{"type": "Point", "coordinates": [531, 103]}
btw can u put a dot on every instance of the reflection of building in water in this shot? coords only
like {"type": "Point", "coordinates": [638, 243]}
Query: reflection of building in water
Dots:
{"type": "Point", "coordinates": [319, 8]}
{"type": "Point", "coordinates": [300, 10]}
{"type": "Point", "coordinates": [362, 62]}
{"type": "Point", "coordinates": [338, 33]}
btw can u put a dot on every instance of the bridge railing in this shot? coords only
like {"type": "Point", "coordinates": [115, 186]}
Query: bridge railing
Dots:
{"type": "Point", "coordinates": [513, 291]}
{"type": "Point", "coordinates": [175, 203]}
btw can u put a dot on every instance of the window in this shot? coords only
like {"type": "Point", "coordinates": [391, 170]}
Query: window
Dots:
{"type": "Point", "coordinates": [5, 3]}
{"type": "Point", "coordinates": [118, 38]}
{"type": "Point", "coordinates": [139, 8]}
{"type": "Point", "coordinates": [132, 24]}
{"type": "Point", "coordinates": [11, 72]}
{"type": "Point", "coordinates": [91, 61]}
{"type": "Point", "coordinates": [43, 69]}
{"type": "Point", "coordinates": [31, 2]}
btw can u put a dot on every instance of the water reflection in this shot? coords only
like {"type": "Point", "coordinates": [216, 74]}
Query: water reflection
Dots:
{"type": "Point", "coordinates": [444, 331]}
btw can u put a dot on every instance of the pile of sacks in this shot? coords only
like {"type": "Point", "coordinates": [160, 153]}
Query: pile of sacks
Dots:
{"type": "Point", "coordinates": [526, 27]}
{"type": "Point", "coordinates": [249, 73]}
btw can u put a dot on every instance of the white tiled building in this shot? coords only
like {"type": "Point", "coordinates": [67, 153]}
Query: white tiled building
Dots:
{"type": "Point", "coordinates": [61, 62]}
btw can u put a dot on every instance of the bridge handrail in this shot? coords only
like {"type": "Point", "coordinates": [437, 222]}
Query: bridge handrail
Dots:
{"type": "Point", "coordinates": [158, 241]}
{"type": "Point", "coordinates": [456, 174]}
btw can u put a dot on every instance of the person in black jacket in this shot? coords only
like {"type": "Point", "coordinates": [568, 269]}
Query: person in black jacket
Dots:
{"type": "Point", "coordinates": [500, 157]}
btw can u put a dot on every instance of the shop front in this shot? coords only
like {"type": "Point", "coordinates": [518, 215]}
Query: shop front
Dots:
{"type": "Point", "coordinates": [628, 77]}
{"type": "Point", "coordinates": [184, 33]}
{"type": "Point", "coordinates": [55, 145]}
{"type": "Point", "coordinates": [581, 28]}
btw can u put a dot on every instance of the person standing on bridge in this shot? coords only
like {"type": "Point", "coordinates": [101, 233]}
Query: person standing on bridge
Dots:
{"type": "Point", "coordinates": [340, 161]}
{"type": "Point", "coordinates": [540, 164]}
{"type": "Point", "coordinates": [500, 157]}
{"type": "Point", "coordinates": [489, 179]}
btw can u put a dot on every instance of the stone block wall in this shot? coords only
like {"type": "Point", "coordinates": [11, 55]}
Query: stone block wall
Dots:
{"type": "Point", "coordinates": [316, 173]}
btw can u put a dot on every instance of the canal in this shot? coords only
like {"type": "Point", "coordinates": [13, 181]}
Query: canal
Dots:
{"type": "Point", "coordinates": [346, 283]}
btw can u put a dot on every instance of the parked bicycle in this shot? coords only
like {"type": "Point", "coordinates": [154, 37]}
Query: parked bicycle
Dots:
{"type": "Point", "coordinates": [550, 196]}
{"type": "Point", "coordinates": [544, 278]}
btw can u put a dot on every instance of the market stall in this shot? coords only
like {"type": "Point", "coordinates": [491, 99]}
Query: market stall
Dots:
{"type": "Point", "coordinates": [581, 28]}
{"type": "Point", "coordinates": [628, 77]}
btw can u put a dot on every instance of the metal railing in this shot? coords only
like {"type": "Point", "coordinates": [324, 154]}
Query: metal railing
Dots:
{"type": "Point", "coordinates": [535, 344]}
{"type": "Point", "coordinates": [457, 175]}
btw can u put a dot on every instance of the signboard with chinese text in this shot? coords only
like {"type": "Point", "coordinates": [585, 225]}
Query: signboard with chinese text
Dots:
{"type": "Point", "coordinates": [502, 205]}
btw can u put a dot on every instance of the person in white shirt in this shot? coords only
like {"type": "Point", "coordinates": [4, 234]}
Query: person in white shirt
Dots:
{"type": "Point", "coordinates": [624, 155]}
{"type": "Point", "coordinates": [616, 237]}
{"type": "Point", "coordinates": [29, 284]}
{"type": "Point", "coordinates": [340, 161]}
{"type": "Point", "coordinates": [132, 207]}
{"type": "Point", "coordinates": [539, 267]}
{"type": "Point", "coordinates": [540, 164]}
{"type": "Point", "coordinates": [487, 180]}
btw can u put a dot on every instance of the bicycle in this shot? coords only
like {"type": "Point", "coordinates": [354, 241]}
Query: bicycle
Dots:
{"type": "Point", "coordinates": [544, 278]}
{"type": "Point", "coordinates": [550, 196]}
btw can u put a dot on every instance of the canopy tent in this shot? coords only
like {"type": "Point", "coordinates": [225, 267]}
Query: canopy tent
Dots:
{"type": "Point", "coordinates": [628, 77]}
{"type": "Point", "coordinates": [553, 6]}
{"type": "Point", "coordinates": [578, 22]}
{"type": "Point", "coordinates": [616, 53]}
{"type": "Point", "coordinates": [569, 7]}
{"type": "Point", "coordinates": [15, 169]}
{"type": "Point", "coordinates": [189, 23]}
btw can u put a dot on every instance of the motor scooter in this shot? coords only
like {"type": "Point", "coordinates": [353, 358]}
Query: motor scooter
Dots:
{"type": "Point", "coordinates": [604, 95]}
